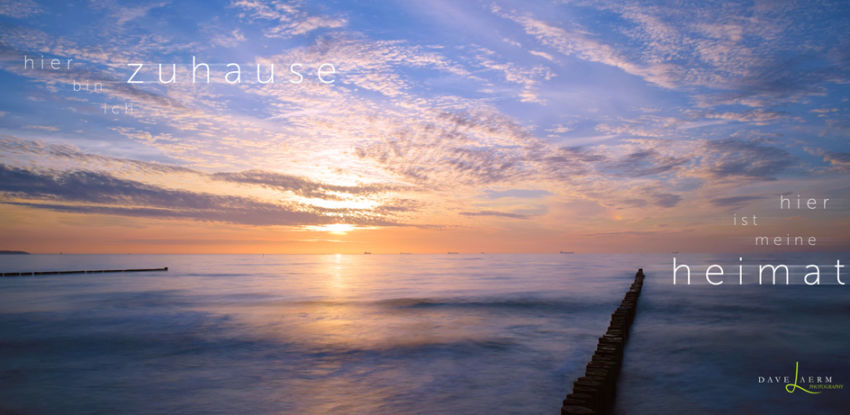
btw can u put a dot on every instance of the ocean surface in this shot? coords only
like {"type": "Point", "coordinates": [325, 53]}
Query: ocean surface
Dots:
{"type": "Point", "coordinates": [410, 334]}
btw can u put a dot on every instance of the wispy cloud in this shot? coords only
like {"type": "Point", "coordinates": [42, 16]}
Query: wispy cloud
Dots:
{"type": "Point", "coordinates": [516, 193]}
{"type": "Point", "coordinates": [495, 213]}
{"type": "Point", "coordinates": [288, 18]}
{"type": "Point", "coordinates": [837, 160]}
{"type": "Point", "coordinates": [300, 185]}
{"type": "Point", "coordinates": [577, 43]}
{"type": "Point", "coordinates": [734, 202]}
{"type": "Point", "coordinates": [93, 192]}
{"type": "Point", "coordinates": [739, 158]}
{"type": "Point", "coordinates": [123, 14]}
{"type": "Point", "coordinates": [19, 8]}
{"type": "Point", "coordinates": [229, 40]}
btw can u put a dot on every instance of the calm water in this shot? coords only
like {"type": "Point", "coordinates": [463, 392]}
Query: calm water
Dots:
{"type": "Point", "coordinates": [411, 334]}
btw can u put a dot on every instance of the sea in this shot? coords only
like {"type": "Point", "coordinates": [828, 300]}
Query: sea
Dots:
{"type": "Point", "coordinates": [415, 334]}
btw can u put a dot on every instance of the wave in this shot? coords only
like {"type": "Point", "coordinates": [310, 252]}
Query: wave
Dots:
{"type": "Point", "coordinates": [408, 349]}
{"type": "Point", "coordinates": [525, 304]}
{"type": "Point", "coordinates": [496, 303]}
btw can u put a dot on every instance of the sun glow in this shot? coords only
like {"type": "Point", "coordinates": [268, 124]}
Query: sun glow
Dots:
{"type": "Point", "coordinates": [334, 228]}
{"type": "Point", "coordinates": [345, 203]}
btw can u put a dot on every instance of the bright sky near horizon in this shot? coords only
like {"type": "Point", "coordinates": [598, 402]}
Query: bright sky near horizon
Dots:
{"type": "Point", "coordinates": [589, 126]}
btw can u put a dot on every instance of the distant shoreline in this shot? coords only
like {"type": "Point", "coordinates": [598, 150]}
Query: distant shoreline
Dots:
{"type": "Point", "coordinates": [14, 252]}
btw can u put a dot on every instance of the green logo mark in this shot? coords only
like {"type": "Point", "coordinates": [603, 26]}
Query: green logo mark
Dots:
{"type": "Point", "coordinates": [791, 387]}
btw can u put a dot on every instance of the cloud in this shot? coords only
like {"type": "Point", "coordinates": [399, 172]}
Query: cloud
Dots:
{"type": "Point", "coordinates": [666, 200]}
{"type": "Point", "coordinates": [641, 128]}
{"type": "Point", "coordinates": [751, 54]}
{"type": "Point", "coordinates": [577, 43]}
{"type": "Point", "coordinates": [790, 77]}
{"type": "Point", "coordinates": [300, 185]}
{"type": "Point", "coordinates": [309, 24]}
{"type": "Point", "coordinates": [123, 14]}
{"type": "Point", "coordinates": [229, 40]}
{"type": "Point", "coordinates": [92, 192]}
{"type": "Point", "coordinates": [375, 65]}
{"type": "Point", "coordinates": [839, 160]}
{"type": "Point", "coordinates": [543, 55]}
{"type": "Point", "coordinates": [25, 152]}
{"type": "Point", "coordinates": [738, 158]}
{"type": "Point", "coordinates": [529, 78]}
{"type": "Point", "coordinates": [755, 116]}
{"type": "Point", "coordinates": [557, 130]}
{"type": "Point", "coordinates": [42, 127]}
{"type": "Point", "coordinates": [822, 111]}
{"type": "Point", "coordinates": [734, 201]}
{"type": "Point", "coordinates": [454, 148]}
{"type": "Point", "coordinates": [516, 193]}
{"type": "Point", "coordinates": [566, 163]}
{"type": "Point", "coordinates": [647, 163]}
{"type": "Point", "coordinates": [19, 9]}
{"type": "Point", "coordinates": [495, 214]}
{"type": "Point", "coordinates": [288, 17]}
{"type": "Point", "coordinates": [635, 202]}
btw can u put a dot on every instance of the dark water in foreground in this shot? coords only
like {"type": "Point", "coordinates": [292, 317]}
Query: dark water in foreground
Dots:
{"type": "Point", "coordinates": [411, 334]}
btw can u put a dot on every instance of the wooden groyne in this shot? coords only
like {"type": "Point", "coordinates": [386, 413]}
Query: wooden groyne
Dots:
{"type": "Point", "coordinates": [593, 393]}
{"type": "Point", "coordinates": [94, 271]}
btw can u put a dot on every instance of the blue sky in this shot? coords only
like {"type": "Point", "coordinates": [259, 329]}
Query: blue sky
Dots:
{"type": "Point", "coordinates": [550, 123]}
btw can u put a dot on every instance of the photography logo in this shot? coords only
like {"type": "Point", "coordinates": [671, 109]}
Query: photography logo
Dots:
{"type": "Point", "coordinates": [812, 384]}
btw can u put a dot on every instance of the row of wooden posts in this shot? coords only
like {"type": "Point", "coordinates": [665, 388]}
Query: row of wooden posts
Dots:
{"type": "Point", "coordinates": [593, 393]}
{"type": "Point", "coordinates": [94, 271]}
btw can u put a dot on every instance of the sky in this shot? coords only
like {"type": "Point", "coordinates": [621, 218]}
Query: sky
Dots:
{"type": "Point", "coordinates": [474, 126]}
